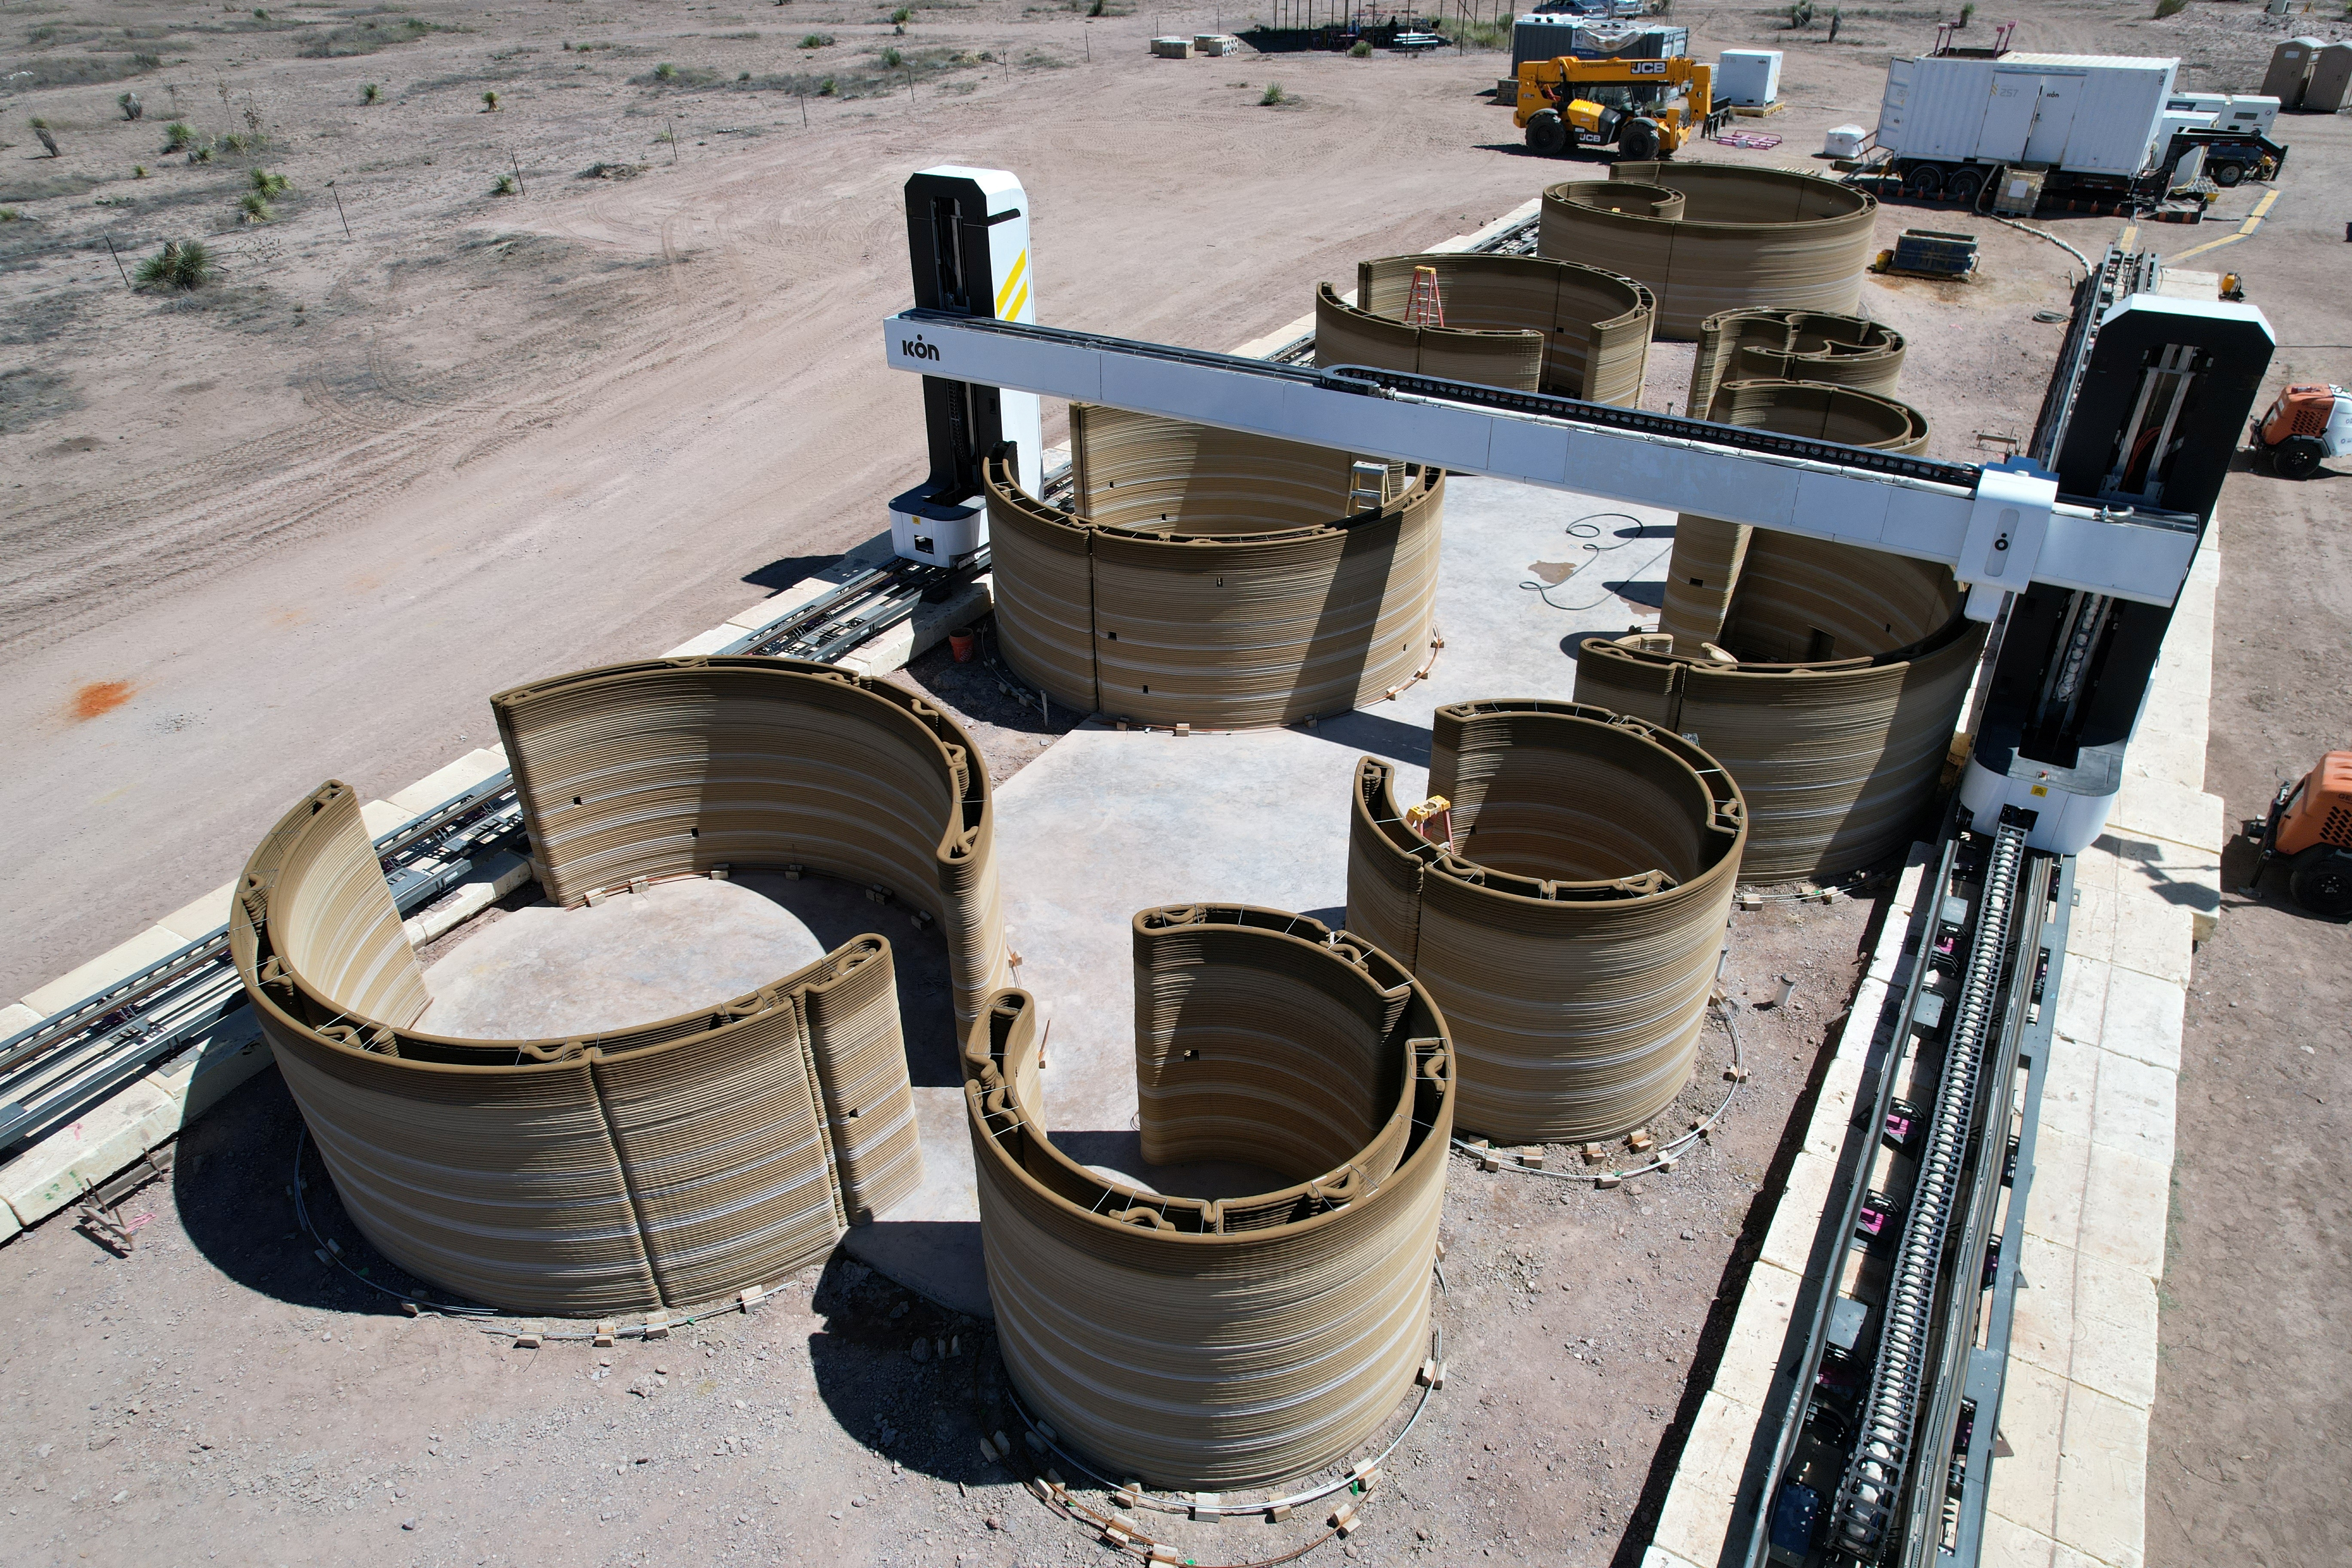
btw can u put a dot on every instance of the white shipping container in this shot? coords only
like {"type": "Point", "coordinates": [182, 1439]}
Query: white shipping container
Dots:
{"type": "Point", "coordinates": [2083, 113]}
{"type": "Point", "coordinates": [1747, 76]}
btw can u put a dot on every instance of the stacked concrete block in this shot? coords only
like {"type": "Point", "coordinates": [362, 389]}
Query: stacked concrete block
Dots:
{"type": "Point", "coordinates": [1172, 48]}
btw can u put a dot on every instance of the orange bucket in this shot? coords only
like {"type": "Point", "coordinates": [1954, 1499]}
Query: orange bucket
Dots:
{"type": "Point", "coordinates": [960, 644]}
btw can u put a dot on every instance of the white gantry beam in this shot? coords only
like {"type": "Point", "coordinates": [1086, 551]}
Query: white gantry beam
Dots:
{"type": "Point", "coordinates": [1997, 528]}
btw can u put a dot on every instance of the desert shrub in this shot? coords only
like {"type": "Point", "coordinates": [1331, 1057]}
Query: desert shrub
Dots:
{"type": "Point", "coordinates": [902, 16]}
{"type": "Point", "coordinates": [665, 72]}
{"type": "Point", "coordinates": [1272, 95]}
{"type": "Point", "coordinates": [255, 208]}
{"type": "Point", "coordinates": [1360, 49]}
{"type": "Point", "coordinates": [2170, 8]}
{"type": "Point", "coordinates": [489, 103]}
{"type": "Point", "coordinates": [181, 264]}
{"type": "Point", "coordinates": [178, 136]}
{"type": "Point", "coordinates": [138, 171]}
{"type": "Point", "coordinates": [505, 186]}
{"type": "Point", "coordinates": [267, 185]}
{"type": "Point", "coordinates": [893, 59]}
{"type": "Point", "coordinates": [371, 93]}
{"type": "Point", "coordinates": [817, 40]}
{"type": "Point", "coordinates": [367, 37]}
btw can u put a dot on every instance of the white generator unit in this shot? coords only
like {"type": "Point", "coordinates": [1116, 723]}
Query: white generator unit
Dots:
{"type": "Point", "coordinates": [2248, 114]}
{"type": "Point", "coordinates": [1751, 76]}
{"type": "Point", "coordinates": [2085, 114]}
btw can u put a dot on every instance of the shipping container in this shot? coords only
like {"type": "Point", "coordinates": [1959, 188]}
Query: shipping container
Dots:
{"type": "Point", "coordinates": [1548, 37]}
{"type": "Point", "coordinates": [2082, 114]}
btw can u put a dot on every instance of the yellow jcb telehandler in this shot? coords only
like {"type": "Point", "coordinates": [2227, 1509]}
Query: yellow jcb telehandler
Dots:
{"type": "Point", "coordinates": [1645, 108]}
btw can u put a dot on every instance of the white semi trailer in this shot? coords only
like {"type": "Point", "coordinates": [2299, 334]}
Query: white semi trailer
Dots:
{"type": "Point", "coordinates": [1951, 122]}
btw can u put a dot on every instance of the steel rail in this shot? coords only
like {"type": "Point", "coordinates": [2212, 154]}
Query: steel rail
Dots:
{"type": "Point", "coordinates": [1867, 1495]}
{"type": "Point", "coordinates": [52, 1070]}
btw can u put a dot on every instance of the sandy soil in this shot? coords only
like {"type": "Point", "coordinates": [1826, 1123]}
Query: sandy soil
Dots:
{"type": "Point", "coordinates": [302, 524]}
{"type": "Point", "coordinates": [2253, 1394]}
{"type": "Point", "coordinates": [248, 545]}
{"type": "Point", "coordinates": [219, 1388]}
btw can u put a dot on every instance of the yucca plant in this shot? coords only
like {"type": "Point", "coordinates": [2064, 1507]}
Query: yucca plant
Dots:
{"type": "Point", "coordinates": [181, 264]}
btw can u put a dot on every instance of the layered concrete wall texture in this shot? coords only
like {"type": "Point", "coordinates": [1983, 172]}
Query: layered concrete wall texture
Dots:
{"type": "Point", "coordinates": [1570, 929]}
{"type": "Point", "coordinates": [1224, 1343]}
{"type": "Point", "coordinates": [663, 1163]}
{"type": "Point", "coordinates": [1519, 321]}
{"type": "Point", "coordinates": [1215, 579]}
{"type": "Point", "coordinates": [1710, 238]}
{"type": "Point", "coordinates": [1828, 679]}
{"type": "Point", "coordinates": [1792, 346]}
{"type": "Point", "coordinates": [677, 767]}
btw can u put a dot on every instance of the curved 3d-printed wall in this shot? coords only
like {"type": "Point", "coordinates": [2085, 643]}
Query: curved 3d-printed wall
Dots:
{"type": "Point", "coordinates": [1570, 928]}
{"type": "Point", "coordinates": [1209, 578]}
{"type": "Point", "coordinates": [1238, 1341]}
{"type": "Point", "coordinates": [1829, 679]}
{"type": "Point", "coordinates": [1709, 238]}
{"type": "Point", "coordinates": [1792, 346]}
{"type": "Point", "coordinates": [662, 1163]}
{"type": "Point", "coordinates": [1835, 756]}
{"type": "Point", "coordinates": [1519, 321]}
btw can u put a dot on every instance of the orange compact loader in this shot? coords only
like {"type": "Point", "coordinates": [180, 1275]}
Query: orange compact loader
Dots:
{"type": "Point", "coordinates": [2310, 829]}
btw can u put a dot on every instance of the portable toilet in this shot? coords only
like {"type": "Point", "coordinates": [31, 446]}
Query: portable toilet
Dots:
{"type": "Point", "coordinates": [1748, 77]}
{"type": "Point", "coordinates": [2290, 69]}
{"type": "Point", "coordinates": [2331, 78]}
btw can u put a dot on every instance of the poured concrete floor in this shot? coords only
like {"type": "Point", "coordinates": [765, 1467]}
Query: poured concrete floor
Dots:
{"type": "Point", "coordinates": [1104, 824]}
{"type": "Point", "coordinates": [1107, 822]}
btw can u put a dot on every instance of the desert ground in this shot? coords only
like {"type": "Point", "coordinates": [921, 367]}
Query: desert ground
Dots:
{"type": "Point", "coordinates": [426, 440]}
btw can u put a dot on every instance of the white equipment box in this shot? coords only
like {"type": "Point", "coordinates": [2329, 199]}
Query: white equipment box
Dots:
{"type": "Point", "coordinates": [1749, 77]}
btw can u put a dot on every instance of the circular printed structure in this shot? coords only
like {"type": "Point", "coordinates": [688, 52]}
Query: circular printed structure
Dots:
{"type": "Point", "coordinates": [1233, 1342]}
{"type": "Point", "coordinates": [1793, 345]}
{"type": "Point", "coordinates": [1569, 926]}
{"type": "Point", "coordinates": [1209, 578]}
{"type": "Point", "coordinates": [1710, 556]}
{"type": "Point", "coordinates": [1837, 752]}
{"type": "Point", "coordinates": [1738, 237]}
{"type": "Point", "coordinates": [1828, 679]}
{"type": "Point", "coordinates": [1519, 321]}
{"type": "Point", "coordinates": [662, 1163]}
